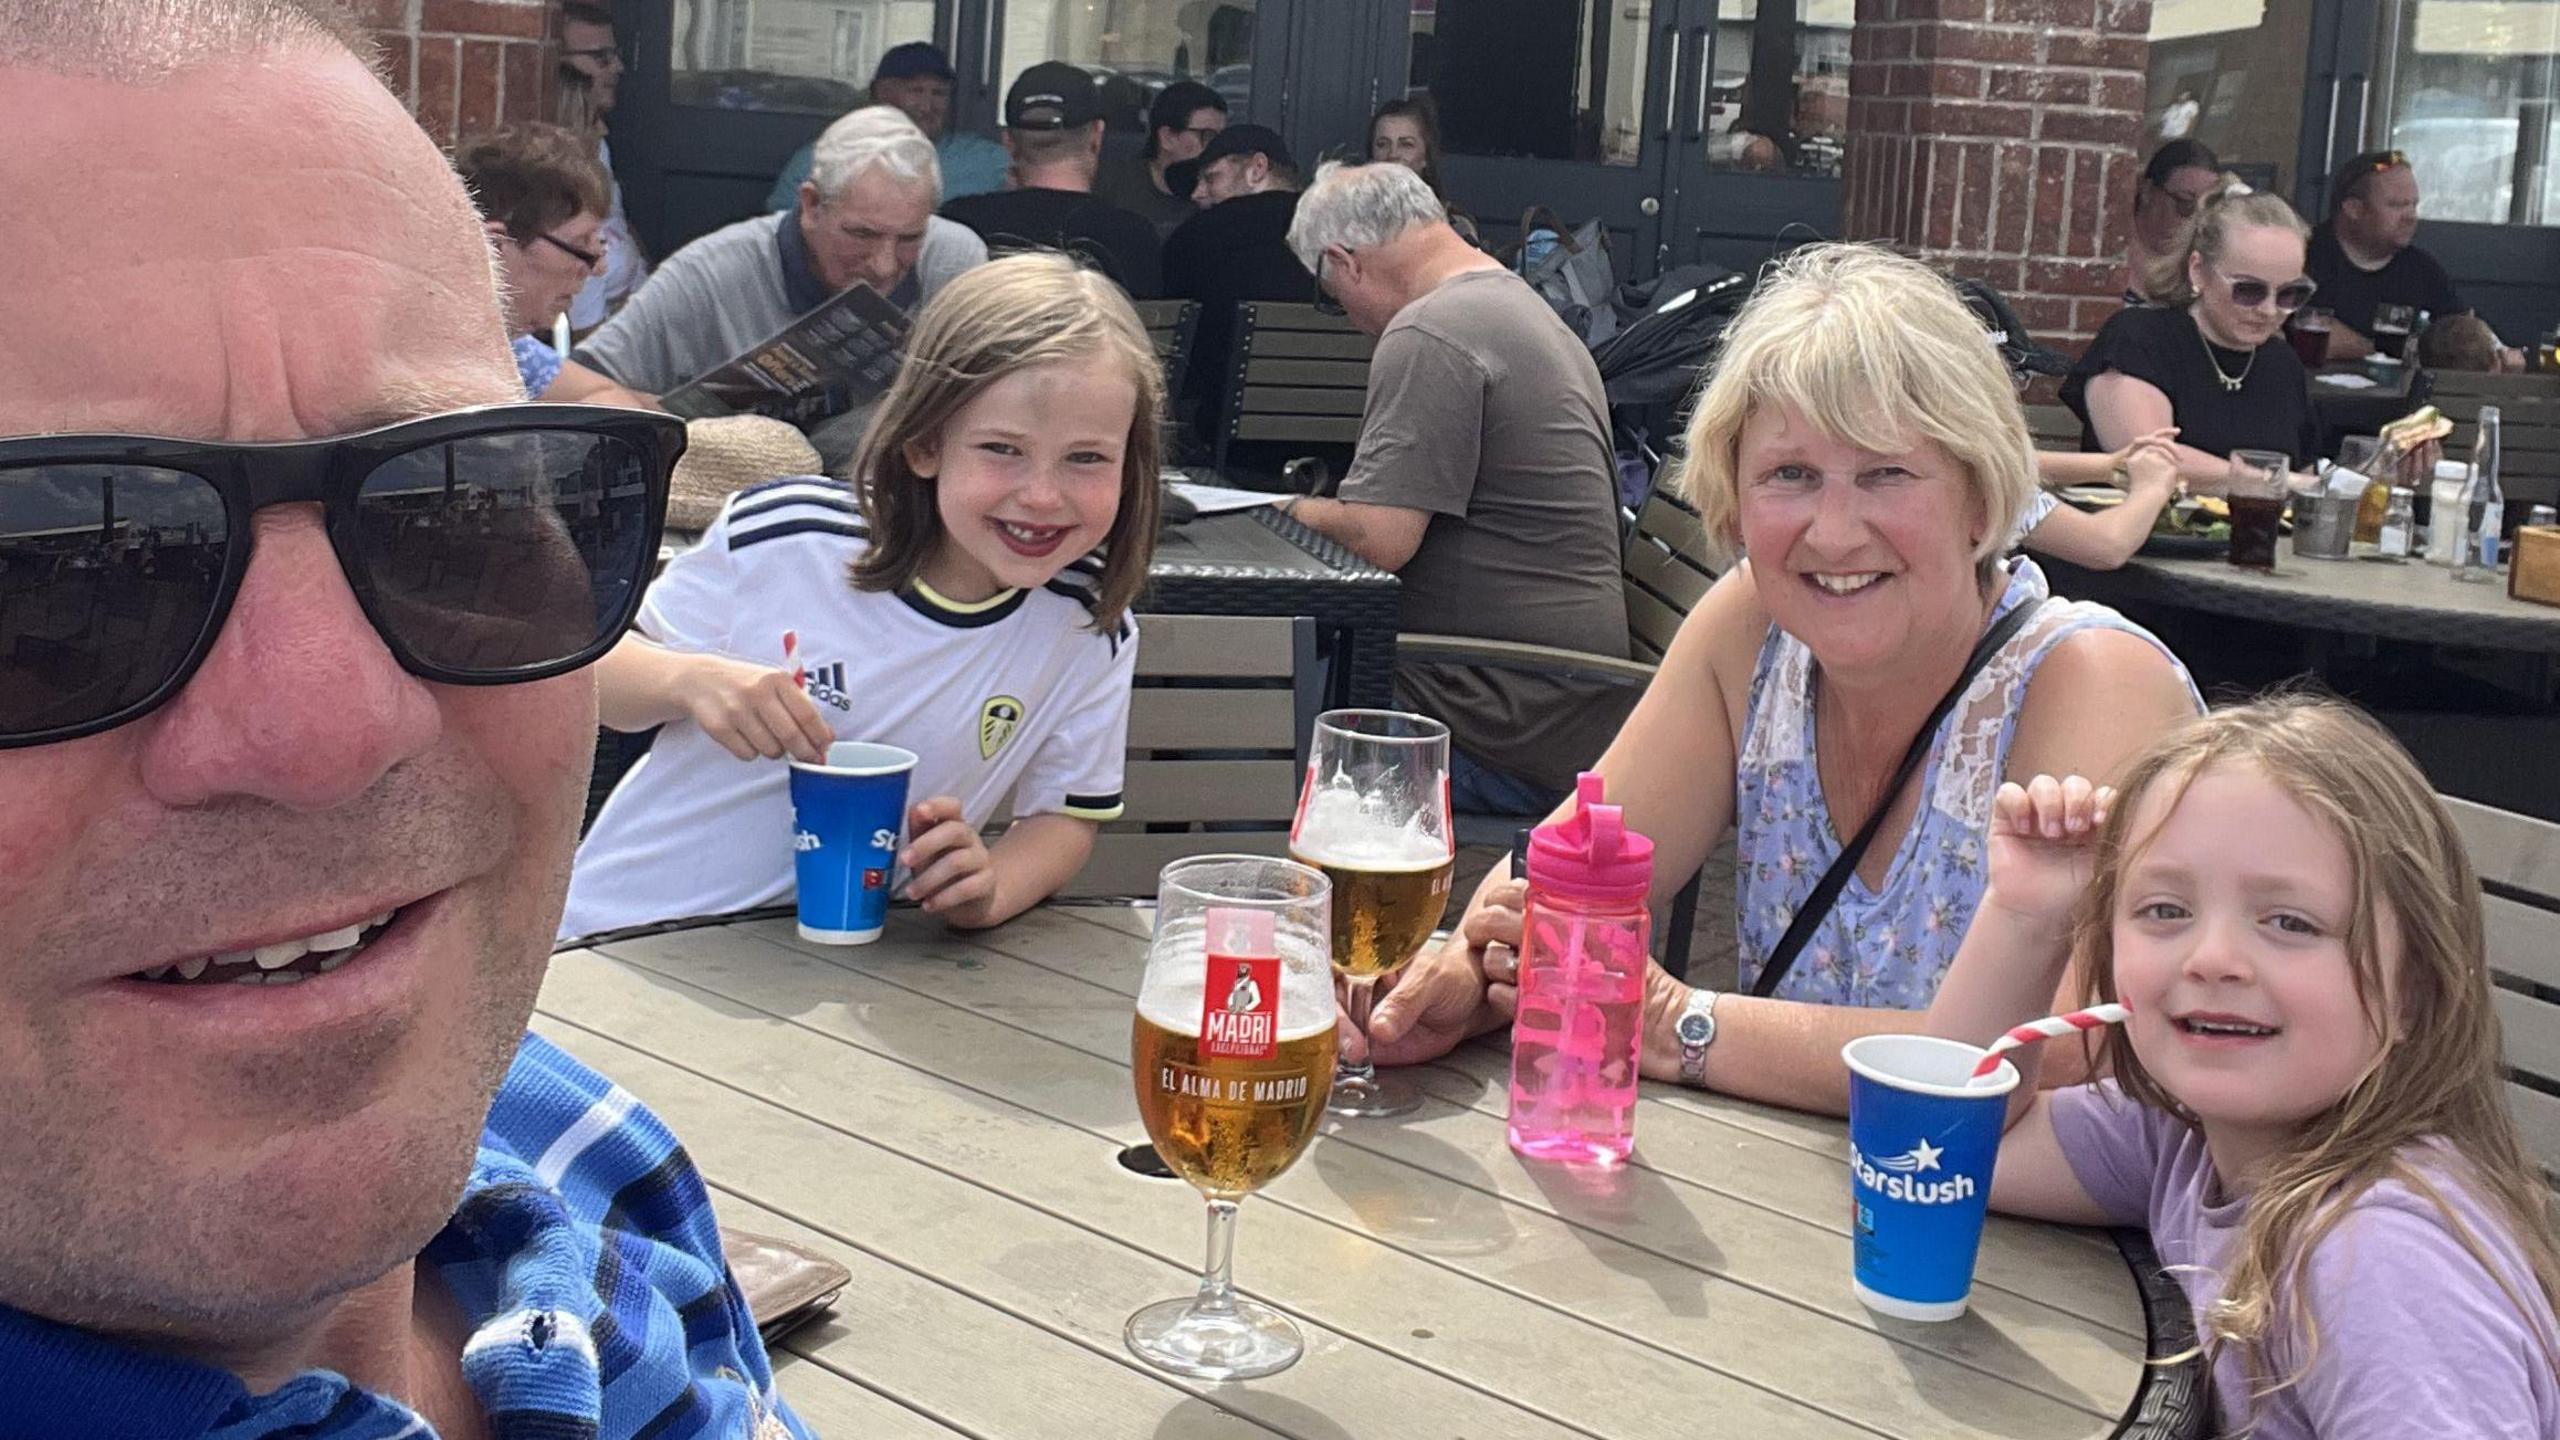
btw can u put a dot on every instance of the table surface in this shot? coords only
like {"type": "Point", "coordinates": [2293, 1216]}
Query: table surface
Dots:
{"type": "Point", "coordinates": [2411, 601]}
{"type": "Point", "coordinates": [942, 1113]}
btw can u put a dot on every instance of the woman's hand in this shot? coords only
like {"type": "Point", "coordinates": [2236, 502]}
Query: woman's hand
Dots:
{"type": "Point", "coordinates": [754, 711]}
{"type": "Point", "coordinates": [2043, 836]}
{"type": "Point", "coordinates": [948, 870]}
{"type": "Point", "coordinates": [1464, 988]}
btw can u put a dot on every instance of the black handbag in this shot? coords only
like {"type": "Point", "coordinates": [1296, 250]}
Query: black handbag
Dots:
{"type": "Point", "coordinates": [1826, 891]}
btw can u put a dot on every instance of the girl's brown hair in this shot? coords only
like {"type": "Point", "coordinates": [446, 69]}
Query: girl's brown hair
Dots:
{"type": "Point", "coordinates": [2437, 1077]}
{"type": "Point", "coordinates": [1036, 308]}
{"type": "Point", "coordinates": [2208, 233]}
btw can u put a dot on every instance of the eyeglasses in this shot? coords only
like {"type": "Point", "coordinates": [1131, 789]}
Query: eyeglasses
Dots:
{"type": "Point", "coordinates": [1325, 303]}
{"type": "Point", "coordinates": [2291, 295]}
{"type": "Point", "coordinates": [1206, 133]}
{"type": "Point", "coordinates": [487, 546]}
{"type": "Point", "coordinates": [609, 56]}
{"type": "Point", "coordinates": [589, 258]}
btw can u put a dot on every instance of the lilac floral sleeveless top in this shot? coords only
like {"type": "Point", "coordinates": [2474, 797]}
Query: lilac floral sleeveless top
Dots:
{"type": "Point", "coordinates": [1890, 947]}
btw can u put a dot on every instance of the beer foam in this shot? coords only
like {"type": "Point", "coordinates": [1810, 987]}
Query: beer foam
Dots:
{"type": "Point", "coordinates": [1342, 829]}
{"type": "Point", "coordinates": [1171, 997]}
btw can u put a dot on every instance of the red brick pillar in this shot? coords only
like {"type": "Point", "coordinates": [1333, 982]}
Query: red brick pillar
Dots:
{"type": "Point", "coordinates": [465, 65]}
{"type": "Point", "coordinates": [1998, 138]}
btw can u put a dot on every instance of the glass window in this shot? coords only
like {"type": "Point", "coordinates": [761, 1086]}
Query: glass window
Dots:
{"type": "Point", "coordinates": [1541, 79]}
{"type": "Point", "coordinates": [811, 56]}
{"type": "Point", "coordinates": [2464, 89]}
{"type": "Point", "coordinates": [1779, 101]}
{"type": "Point", "coordinates": [2226, 73]}
{"type": "Point", "coordinates": [1136, 48]}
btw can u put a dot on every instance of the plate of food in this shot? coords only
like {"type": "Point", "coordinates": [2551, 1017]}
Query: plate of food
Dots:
{"type": "Point", "coordinates": [2192, 527]}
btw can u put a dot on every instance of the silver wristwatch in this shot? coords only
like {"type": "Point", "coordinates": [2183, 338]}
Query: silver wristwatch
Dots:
{"type": "Point", "coordinates": [1697, 1030]}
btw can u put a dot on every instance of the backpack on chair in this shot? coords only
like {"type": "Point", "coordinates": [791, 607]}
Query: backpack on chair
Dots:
{"type": "Point", "coordinates": [1570, 270]}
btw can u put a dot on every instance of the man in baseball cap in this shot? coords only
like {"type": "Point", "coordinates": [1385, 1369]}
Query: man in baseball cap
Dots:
{"type": "Point", "coordinates": [1053, 125]}
{"type": "Point", "coordinates": [1184, 116]}
{"type": "Point", "coordinates": [916, 78]}
{"type": "Point", "coordinates": [1234, 247]}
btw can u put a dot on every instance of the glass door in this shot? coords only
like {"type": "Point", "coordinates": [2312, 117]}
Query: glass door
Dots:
{"type": "Point", "coordinates": [1134, 48]}
{"type": "Point", "coordinates": [1761, 125]}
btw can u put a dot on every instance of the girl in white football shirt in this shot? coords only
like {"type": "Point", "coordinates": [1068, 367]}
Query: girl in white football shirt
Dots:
{"type": "Point", "coordinates": [967, 598]}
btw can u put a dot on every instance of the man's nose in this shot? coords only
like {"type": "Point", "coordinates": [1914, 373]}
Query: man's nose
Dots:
{"type": "Point", "coordinates": [299, 703]}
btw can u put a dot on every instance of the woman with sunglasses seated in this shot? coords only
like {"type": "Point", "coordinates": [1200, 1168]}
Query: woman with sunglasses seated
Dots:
{"type": "Point", "coordinates": [2173, 185]}
{"type": "Point", "coordinates": [2214, 361]}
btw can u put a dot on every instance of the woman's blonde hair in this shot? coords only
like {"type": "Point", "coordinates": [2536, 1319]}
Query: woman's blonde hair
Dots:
{"type": "Point", "coordinates": [2208, 233]}
{"type": "Point", "coordinates": [1035, 308]}
{"type": "Point", "coordinates": [2437, 1077]}
{"type": "Point", "coordinates": [1873, 350]}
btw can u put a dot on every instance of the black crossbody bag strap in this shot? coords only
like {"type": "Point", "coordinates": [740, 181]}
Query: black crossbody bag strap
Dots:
{"type": "Point", "coordinates": [1827, 890]}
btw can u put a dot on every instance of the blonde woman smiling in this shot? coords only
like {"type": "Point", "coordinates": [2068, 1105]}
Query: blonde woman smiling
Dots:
{"type": "Point", "coordinates": [1862, 444]}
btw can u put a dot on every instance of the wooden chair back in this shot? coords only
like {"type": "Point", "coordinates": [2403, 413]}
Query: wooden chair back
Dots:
{"type": "Point", "coordinates": [1669, 565]}
{"type": "Point", "coordinates": [2518, 858]}
{"type": "Point", "coordinates": [1218, 728]}
{"type": "Point", "coordinates": [2528, 429]}
{"type": "Point", "coordinates": [1298, 383]}
{"type": "Point", "coordinates": [1171, 326]}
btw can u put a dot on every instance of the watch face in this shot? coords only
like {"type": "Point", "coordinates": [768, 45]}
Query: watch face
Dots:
{"type": "Point", "coordinates": [1694, 1029]}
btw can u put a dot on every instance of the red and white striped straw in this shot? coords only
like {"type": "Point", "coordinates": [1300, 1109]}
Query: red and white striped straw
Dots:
{"type": "Point", "coordinates": [2049, 1028]}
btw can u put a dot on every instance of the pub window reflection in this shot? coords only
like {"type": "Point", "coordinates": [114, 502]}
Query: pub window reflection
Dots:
{"type": "Point", "coordinates": [804, 56]}
{"type": "Point", "coordinates": [1535, 79]}
{"type": "Point", "coordinates": [1135, 48]}
{"type": "Point", "coordinates": [1779, 102]}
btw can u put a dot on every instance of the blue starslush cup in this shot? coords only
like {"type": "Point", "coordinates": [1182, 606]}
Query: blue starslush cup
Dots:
{"type": "Point", "coordinates": [1921, 1145]}
{"type": "Point", "coordinates": [846, 816]}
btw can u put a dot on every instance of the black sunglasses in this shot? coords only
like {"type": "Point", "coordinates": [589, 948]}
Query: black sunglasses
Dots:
{"type": "Point", "coordinates": [487, 546]}
{"type": "Point", "coordinates": [2291, 295]}
{"type": "Point", "coordinates": [1325, 303]}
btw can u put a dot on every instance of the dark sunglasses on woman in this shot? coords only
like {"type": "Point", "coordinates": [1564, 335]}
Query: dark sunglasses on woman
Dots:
{"type": "Point", "coordinates": [2291, 295]}
{"type": "Point", "coordinates": [487, 546]}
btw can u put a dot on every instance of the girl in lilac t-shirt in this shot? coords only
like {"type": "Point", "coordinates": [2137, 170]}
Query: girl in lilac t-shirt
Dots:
{"type": "Point", "coordinates": [2306, 1107]}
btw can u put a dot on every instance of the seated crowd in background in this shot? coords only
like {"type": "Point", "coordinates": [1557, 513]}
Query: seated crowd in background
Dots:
{"type": "Point", "coordinates": [1053, 124]}
{"type": "Point", "coordinates": [1184, 117]}
{"type": "Point", "coordinates": [589, 82]}
{"type": "Point", "coordinates": [544, 196]}
{"type": "Point", "coordinates": [1233, 249]}
{"type": "Point", "coordinates": [914, 79]}
{"type": "Point", "coordinates": [2366, 256]}
{"type": "Point", "coordinates": [865, 215]}
{"type": "Point", "coordinates": [2173, 185]}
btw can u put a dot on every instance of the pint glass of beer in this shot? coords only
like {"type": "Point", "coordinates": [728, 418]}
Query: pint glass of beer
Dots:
{"type": "Point", "coordinates": [1374, 817]}
{"type": "Point", "coordinates": [1232, 1053]}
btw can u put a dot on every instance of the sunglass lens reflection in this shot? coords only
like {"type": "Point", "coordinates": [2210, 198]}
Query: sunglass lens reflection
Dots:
{"type": "Point", "coordinates": [506, 552]}
{"type": "Point", "coordinates": [107, 576]}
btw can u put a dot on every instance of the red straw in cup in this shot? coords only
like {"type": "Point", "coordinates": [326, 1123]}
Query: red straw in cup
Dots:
{"type": "Point", "coordinates": [2049, 1028]}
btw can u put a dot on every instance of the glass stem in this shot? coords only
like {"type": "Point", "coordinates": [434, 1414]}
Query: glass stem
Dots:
{"type": "Point", "coordinates": [1217, 1286]}
{"type": "Point", "coordinates": [1360, 995]}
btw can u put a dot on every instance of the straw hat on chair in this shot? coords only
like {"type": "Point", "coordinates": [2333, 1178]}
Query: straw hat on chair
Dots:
{"type": "Point", "coordinates": [727, 453]}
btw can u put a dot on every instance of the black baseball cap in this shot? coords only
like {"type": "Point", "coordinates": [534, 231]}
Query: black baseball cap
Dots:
{"type": "Point", "coordinates": [1261, 140]}
{"type": "Point", "coordinates": [1052, 95]}
{"type": "Point", "coordinates": [916, 57]}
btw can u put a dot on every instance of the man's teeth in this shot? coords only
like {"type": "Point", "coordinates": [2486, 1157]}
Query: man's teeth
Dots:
{"type": "Point", "coordinates": [1847, 584]}
{"type": "Point", "coordinates": [266, 964]}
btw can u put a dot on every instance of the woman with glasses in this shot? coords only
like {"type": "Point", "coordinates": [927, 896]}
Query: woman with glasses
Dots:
{"type": "Point", "coordinates": [2165, 199]}
{"type": "Point", "coordinates": [543, 196]}
{"type": "Point", "coordinates": [2212, 360]}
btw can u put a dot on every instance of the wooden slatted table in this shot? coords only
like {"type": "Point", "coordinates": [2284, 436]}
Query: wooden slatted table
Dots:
{"type": "Point", "coordinates": [942, 1114]}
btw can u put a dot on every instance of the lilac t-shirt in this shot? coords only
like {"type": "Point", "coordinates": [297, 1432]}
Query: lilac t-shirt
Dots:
{"type": "Point", "coordinates": [2415, 1338]}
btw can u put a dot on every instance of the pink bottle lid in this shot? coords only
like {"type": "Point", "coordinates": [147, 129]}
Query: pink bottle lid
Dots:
{"type": "Point", "coordinates": [1591, 854]}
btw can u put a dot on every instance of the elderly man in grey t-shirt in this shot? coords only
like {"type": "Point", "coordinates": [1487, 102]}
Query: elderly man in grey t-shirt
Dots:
{"type": "Point", "coordinates": [1483, 477]}
{"type": "Point", "coordinates": [866, 216]}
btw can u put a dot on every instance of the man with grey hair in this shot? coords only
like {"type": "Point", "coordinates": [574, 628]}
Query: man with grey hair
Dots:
{"type": "Point", "coordinates": [865, 217]}
{"type": "Point", "coordinates": [1483, 477]}
{"type": "Point", "coordinates": [280, 865]}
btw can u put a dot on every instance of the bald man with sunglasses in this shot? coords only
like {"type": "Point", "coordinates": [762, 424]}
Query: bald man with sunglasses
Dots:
{"type": "Point", "coordinates": [297, 598]}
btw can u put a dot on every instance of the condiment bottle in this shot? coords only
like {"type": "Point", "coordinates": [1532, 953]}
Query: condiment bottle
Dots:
{"type": "Point", "coordinates": [2394, 541]}
{"type": "Point", "coordinates": [1575, 1038]}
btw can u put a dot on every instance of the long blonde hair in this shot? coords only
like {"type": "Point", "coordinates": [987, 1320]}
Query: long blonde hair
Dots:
{"type": "Point", "coordinates": [1874, 350]}
{"type": "Point", "coordinates": [1034, 308]}
{"type": "Point", "coordinates": [2437, 1077]}
{"type": "Point", "coordinates": [2208, 233]}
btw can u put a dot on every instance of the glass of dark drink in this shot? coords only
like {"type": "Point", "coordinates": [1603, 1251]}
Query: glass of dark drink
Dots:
{"type": "Point", "coordinates": [2391, 327]}
{"type": "Point", "coordinates": [2310, 336]}
{"type": "Point", "coordinates": [2256, 496]}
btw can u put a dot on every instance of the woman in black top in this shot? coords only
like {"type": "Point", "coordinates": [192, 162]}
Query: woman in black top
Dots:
{"type": "Point", "coordinates": [2215, 363]}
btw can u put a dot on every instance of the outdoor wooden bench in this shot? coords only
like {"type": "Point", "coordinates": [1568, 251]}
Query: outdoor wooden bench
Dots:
{"type": "Point", "coordinates": [2518, 858]}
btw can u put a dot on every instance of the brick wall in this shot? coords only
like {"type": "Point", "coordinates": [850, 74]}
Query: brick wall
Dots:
{"type": "Point", "coordinates": [1999, 138]}
{"type": "Point", "coordinates": [464, 65]}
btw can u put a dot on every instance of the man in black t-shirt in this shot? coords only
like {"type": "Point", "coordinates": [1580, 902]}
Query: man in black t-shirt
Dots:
{"type": "Point", "coordinates": [1235, 248]}
{"type": "Point", "coordinates": [2365, 256]}
{"type": "Point", "coordinates": [1053, 129]}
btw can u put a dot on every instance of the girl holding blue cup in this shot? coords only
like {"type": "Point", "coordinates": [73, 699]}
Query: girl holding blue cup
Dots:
{"type": "Point", "coordinates": [2306, 1107]}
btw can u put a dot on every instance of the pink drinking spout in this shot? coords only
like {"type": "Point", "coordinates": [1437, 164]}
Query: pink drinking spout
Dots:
{"type": "Point", "coordinates": [1591, 854]}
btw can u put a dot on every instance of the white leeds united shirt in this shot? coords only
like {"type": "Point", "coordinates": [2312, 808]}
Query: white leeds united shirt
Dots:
{"type": "Point", "coordinates": [1013, 696]}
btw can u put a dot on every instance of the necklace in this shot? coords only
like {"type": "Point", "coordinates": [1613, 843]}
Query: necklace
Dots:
{"type": "Point", "coordinates": [2229, 382]}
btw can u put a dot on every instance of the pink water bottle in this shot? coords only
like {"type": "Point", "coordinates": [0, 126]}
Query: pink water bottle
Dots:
{"type": "Point", "coordinates": [1582, 969]}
